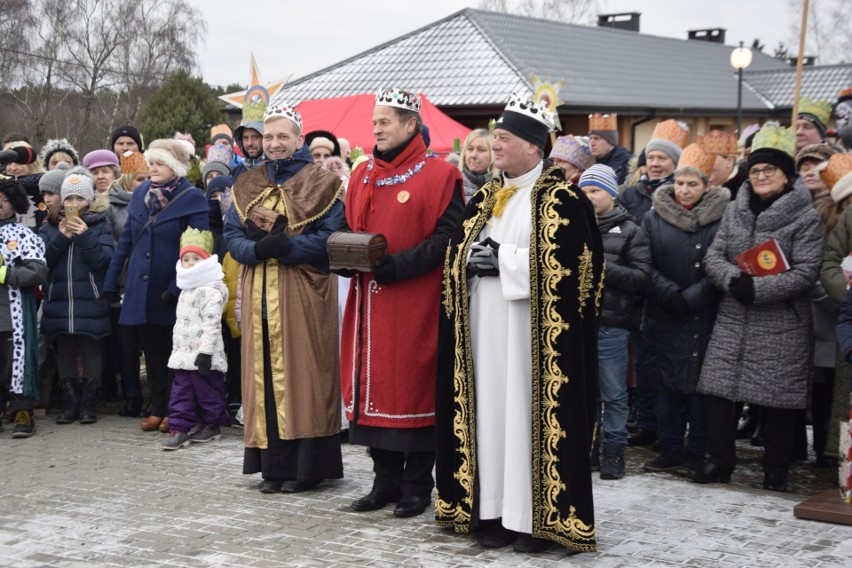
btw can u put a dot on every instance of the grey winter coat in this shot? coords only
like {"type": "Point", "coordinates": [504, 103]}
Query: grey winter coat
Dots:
{"type": "Point", "coordinates": [674, 342]}
{"type": "Point", "coordinates": [763, 352]}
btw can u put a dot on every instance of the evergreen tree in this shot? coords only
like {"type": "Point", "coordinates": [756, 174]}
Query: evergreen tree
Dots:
{"type": "Point", "coordinates": [184, 103]}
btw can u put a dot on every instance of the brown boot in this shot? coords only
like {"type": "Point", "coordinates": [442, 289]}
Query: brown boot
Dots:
{"type": "Point", "coordinates": [164, 425]}
{"type": "Point", "coordinates": [151, 424]}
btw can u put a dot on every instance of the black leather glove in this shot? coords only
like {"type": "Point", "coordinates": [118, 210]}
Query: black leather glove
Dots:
{"type": "Point", "coordinates": [254, 232]}
{"type": "Point", "coordinates": [678, 306]}
{"type": "Point", "coordinates": [273, 245]}
{"type": "Point", "coordinates": [742, 288]}
{"type": "Point", "coordinates": [384, 270]}
{"type": "Point", "coordinates": [204, 362]}
{"type": "Point", "coordinates": [167, 296]}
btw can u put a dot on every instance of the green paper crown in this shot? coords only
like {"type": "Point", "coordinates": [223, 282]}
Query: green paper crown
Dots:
{"type": "Point", "coordinates": [195, 238]}
{"type": "Point", "coordinates": [820, 109]}
{"type": "Point", "coordinates": [775, 137]}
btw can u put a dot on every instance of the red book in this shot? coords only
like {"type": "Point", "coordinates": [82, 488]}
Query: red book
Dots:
{"type": "Point", "coordinates": [764, 259]}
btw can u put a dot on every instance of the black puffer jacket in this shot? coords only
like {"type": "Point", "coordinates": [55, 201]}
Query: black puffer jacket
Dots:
{"type": "Point", "coordinates": [638, 199]}
{"type": "Point", "coordinates": [619, 160]}
{"type": "Point", "coordinates": [628, 268]}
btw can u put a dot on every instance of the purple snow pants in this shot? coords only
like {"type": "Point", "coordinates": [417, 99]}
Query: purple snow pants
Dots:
{"type": "Point", "coordinates": [196, 399]}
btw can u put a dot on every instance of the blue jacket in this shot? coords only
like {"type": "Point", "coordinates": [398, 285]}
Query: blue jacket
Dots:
{"type": "Point", "coordinates": [74, 301]}
{"type": "Point", "coordinates": [844, 327]}
{"type": "Point", "coordinates": [151, 270]}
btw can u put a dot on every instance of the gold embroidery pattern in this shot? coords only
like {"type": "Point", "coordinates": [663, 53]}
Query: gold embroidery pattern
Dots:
{"type": "Point", "coordinates": [547, 325]}
{"type": "Point", "coordinates": [455, 301]}
{"type": "Point", "coordinates": [586, 276]}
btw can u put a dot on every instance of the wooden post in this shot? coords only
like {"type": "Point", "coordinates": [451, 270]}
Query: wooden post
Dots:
{"type": "Point", "coordinates": [799, 62]}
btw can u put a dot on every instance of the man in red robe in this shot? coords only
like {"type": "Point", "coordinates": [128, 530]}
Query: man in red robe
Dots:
{"type": "Point", "coordinates": [390, 325]}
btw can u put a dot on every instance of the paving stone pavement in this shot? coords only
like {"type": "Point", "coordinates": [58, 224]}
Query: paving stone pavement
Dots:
{"type": "Point", "coordinates": [107, 495]}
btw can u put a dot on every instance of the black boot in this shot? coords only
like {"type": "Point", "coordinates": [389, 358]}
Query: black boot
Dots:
{"type": "Point", "coordinates": [91, 387]}
{"type": "Point", "coordinates": [70, 396]}
{"type": "Point", "coordinates": [132, 407]}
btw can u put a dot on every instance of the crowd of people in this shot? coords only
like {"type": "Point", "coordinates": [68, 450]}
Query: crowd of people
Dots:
{"type": "Point", "coordinates": [533, 309]}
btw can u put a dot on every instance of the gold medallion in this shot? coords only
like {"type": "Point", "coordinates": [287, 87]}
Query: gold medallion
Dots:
{"type": "Point", "coordinates": [403, 196]}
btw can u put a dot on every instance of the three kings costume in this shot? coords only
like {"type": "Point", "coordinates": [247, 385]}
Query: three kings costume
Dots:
{"type": "Point", "coordinates": [289, 322]}
{"type": "Point", "coordinates": [517, 384]}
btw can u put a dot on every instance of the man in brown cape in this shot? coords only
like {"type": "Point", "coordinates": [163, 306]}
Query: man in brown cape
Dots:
{"type": "Point", "coordinates": [277, 228]}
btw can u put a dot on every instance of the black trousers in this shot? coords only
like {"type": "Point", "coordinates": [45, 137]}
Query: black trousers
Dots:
{"type": "Point", "coordinates": [90, 352]}
{"type": "Point", "coordinates": [16, 401]}
{"type": "Point", "coordinates": [408, 472]}
{"type": "Point", "coordinates": [156, 342]}
{"type": "Point", "coordinates": [779, 428]}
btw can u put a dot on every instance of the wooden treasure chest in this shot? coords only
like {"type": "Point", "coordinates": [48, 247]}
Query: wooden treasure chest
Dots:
{"type": "Point", "coordinates": [355, 251]}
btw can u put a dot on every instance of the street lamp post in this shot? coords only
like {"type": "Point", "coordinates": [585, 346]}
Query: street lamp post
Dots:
{"type": "Point", "coordinates": [740, 59]}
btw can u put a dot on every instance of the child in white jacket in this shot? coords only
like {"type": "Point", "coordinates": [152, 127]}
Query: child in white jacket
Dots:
{"type": "Point", "coordinates": [198, 395]}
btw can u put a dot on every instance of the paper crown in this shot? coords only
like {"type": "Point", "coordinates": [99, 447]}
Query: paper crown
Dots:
{"type": "Point", "coordinates": [283, 111]}
{"type": "Point", "coordinates": [600, 121]}
{"type": "Point", "coordinates": [532, 109]}
{"type": "Point", "coordinates": [693, 156]}
{"type": "Point", "coordinates": [835, 168]}
{"type": "Point", "coordinates": [775, 138]}
{"type": "Point", "coordinates": [398, 98]}
{"type": "Point", "coordinates": [133, 163]}
{"type": "Point", "coordinates": [820, 109]}
{"type": "Point", "coordinates": [572, 151]}
{"type": "Point", "coordinates": [221, 129]}
{"type": "Point", "coordinates": [219, 153]}
{"type": "Point", "coordinates": [845, 93]}
{"type": "Point", "coordinates": [673, 131]}
{"type": "Point", "coordinates": [196, 241]}
{"type": "Point", "coordinates": [719, 142]}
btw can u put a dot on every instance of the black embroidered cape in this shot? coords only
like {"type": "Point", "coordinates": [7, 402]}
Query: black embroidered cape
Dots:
{"type": "Point", "coordinates": [566, 284]}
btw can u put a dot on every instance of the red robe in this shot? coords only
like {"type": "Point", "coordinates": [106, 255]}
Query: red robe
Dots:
{"type": "Point", "coordinates": [390, 331]}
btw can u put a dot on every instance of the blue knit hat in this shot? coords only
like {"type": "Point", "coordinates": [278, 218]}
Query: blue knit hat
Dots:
{"type": "Point", "coordinates": [600, 176]}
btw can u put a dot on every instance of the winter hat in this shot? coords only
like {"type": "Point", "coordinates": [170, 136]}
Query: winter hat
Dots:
{"type": "Point", "coordinates": [817, 113]}
{"type": "Point", "coordinates": [694, 157]}
{"type": "Point", "coordinates": [845, 136]}
{"type": "Point", "coordinates": [774, 145]}
{"type": "Point", "coordinates": [599, 175]}
{"type": "Point", "coordinates": [133, 163]}
{"type": "Point", "coordinates": [171, 152]}
{"type": "Point", "coordinates": [814, 152]}
{"type": "Point", "coordinates": [98, 158]}
{"type": "Point", "coordinates": [605, 126]}
{"type": "Point", "coordinates": [78, 181]}
{"type": "Point", "coordinates": [199, 242]}
{"type": "Point", "coordinates": [669, 138]}
{"type": "Point", "coordinates": [527, 119]}
{"type": "Point", "coordinates": [126, 130]}
{"type": "Point", "coordinates": [218, 184]}
{"type": "Point", "coordinates": [322, 142]}
{"type": "Point", "coordinates": [572, 151]}
{"type": "Point", "coordinates": [314, 134]}
{"type": "Point", "coordinates": [58, 145]}
{"type": "Point", "coordinates": [836, 173]}
{"type": "Point", "coordinates": [51, 182]}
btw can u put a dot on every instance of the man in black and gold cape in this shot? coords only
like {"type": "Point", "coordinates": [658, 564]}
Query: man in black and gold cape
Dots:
{"type": "Point", "coordinates": [565, 262]}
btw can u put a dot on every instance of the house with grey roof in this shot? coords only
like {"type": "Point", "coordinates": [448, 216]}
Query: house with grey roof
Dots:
{"type": "Point", "coordinates": [469, 62]}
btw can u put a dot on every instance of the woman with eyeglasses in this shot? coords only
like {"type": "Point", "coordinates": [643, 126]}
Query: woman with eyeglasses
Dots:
{"type": "Point", "coordinates": [761, 348]}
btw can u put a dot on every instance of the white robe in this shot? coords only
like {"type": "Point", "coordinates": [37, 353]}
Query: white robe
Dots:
{"type": "Point", "coordinates": [502, 363]}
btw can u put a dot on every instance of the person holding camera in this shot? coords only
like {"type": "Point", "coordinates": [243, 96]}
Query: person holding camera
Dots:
{"type": "Point", "coordinates": [78, 247]}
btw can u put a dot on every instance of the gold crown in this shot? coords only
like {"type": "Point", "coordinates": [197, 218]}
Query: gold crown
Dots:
{"type": "Point", "coordinates": [835, 168]}
{"type": "Point", "coordinates": [819, 109]}
{"type": "Point", "coordinates": [672, 131]}
{"type": "Point", "coordinates": [600, 121]}
{"type": "Point", "coordinates": [719, 142]}
{"type": "Point", "coordinates": [133, 163]}
{"type": "Point", "coordinates": [192, 237]}
{"type": "Point", "coordinates": [695, 157]}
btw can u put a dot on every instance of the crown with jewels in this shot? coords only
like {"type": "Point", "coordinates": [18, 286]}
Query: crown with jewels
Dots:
{"type": "Point", "coordinates": [195, 239]}
{"type": "Point", "coordinates": [600, 121]}
{"type": "Point", "coordinates": [283, 111]}
{"type": "Point", "coordinates": [400, 99]}
{"type": "Point", "coordinates": [528, 107]}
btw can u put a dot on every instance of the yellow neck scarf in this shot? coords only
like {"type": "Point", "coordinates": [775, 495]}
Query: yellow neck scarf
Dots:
{"type": "Point", "coordinates": [502, 198]}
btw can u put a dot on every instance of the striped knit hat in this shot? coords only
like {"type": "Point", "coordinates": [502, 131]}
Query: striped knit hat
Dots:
{"type": "Point", "coordinates": [599, 175]}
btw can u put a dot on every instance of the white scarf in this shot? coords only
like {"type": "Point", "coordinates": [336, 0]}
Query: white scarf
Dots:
{"type": "Point", "coordinates": [204, 272]}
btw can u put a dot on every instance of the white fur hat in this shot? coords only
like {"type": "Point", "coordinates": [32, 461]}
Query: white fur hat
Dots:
{"type": "Point", "coordinates": [171, 152]}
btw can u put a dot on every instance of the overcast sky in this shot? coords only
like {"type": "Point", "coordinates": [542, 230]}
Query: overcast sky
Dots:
{"type": "Point", "coordinates": [303, 37]}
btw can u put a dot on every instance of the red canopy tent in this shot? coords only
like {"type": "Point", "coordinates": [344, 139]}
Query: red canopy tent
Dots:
{"type": "Point", "coordinates": [351, 118]}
